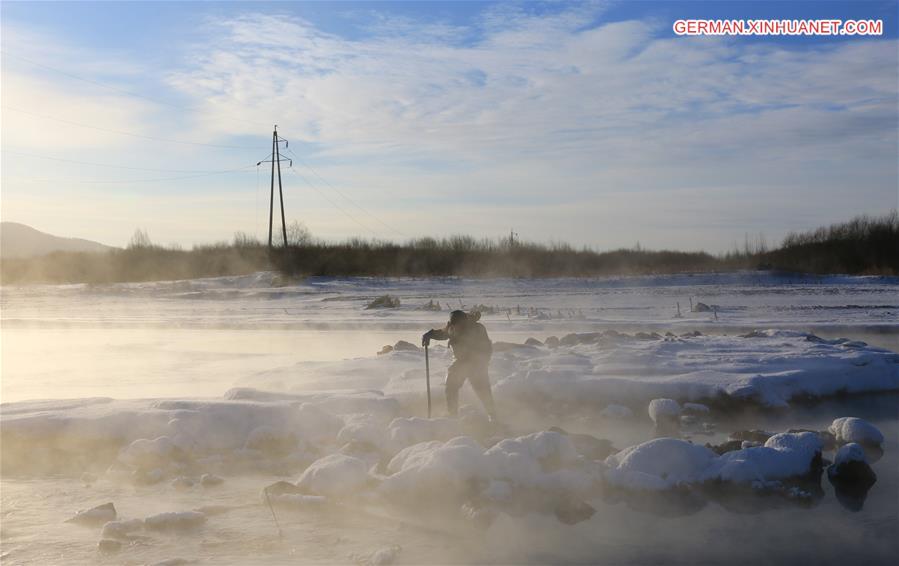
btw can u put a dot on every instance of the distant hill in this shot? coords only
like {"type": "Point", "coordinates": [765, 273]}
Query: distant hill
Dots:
{"type": "Point", "coordinates": [21, 241]}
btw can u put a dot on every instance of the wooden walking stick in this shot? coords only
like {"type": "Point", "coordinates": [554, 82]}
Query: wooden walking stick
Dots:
{"type": "Point", "coordinates": [428, 379]}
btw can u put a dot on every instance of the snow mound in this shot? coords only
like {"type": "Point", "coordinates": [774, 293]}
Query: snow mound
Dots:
{"type": "Point", "coordinates": [336, 475]}
{"type": "Point", "coordinates": [661, 410]}
{"type": "Point", "coordinates": [544, 461]}
{"type": "Point", "coordinates": [851, 452]}
{"type": "Point", "coordinates": [665, 463]}
{"type": "Point", "coordinates": [364, 428]}
{"type": "Point", "coordinates": [783, 456]}
{"type": "Point", "coordinates": [658, 464]}
{"type": "Point", "coordinates": [852, 429]}
{"type": "Point", "coordinates": [414, 430]}
{"type": "Point", "coordinates": [154, 439]}
{"type": "Point", "coordinates": [434, 469]}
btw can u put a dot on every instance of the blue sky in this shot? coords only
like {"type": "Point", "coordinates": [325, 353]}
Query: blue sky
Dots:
{"type": "Point", "coordinates": [584, 122]}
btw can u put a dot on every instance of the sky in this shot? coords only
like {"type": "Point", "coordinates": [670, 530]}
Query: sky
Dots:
{"type": "Point", "coordinates": [588, 123]}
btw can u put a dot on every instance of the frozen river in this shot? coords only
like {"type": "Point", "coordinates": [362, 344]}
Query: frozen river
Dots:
{"type": "Point", "coordinates": [199, 337]}
{"type": "Point", "coordinates": [158, 358]}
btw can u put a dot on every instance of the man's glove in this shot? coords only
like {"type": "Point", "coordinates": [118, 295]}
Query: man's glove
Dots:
{"type": "Point", "coordinates": [426, 338]}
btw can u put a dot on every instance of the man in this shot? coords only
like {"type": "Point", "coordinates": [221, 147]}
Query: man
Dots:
{"type": "Point", "coordinates": [472, 349]}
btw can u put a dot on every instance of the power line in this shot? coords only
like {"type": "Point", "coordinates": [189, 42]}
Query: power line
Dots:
{"type": "Point", "coordinates": [52, 158]}
{"type": "Point", "coordinates": [334, 204]}
{"type": "Point", "coordinates": [345, 197]}
{"type": "Point", "coordinates": [124, 133]}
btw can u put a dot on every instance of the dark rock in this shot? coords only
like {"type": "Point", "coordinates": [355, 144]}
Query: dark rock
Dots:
{"type": "Point", "coordinates": [701, 307]}
{"type": "Point", "coordinates": [431, 305]}
{"type": "Point", "coordinates": [760, 436]}
{"type": "Point", "coordinates": [728, 446]}
{"type": "Point", "coordinates": [210, 480]}
{"type": "Point", "coordinates": [583, 338]}
{"type": "Point", "coordinates": [574, 512]}
{"type": "Point", "coordinates": [384, 302]}
{"type": "Point", "coordinates": [533, 342]}
{"type": "Point", "coordinates": [692, 334]}
{"type": "Point", "coordinates": [854, 474]}
{"type": "Point", "coordinates": [403, 346]}
{"type": "Point", "coordinates": [588, 445]}
{"type": "Point", "coordinates": [280, 488]}
{"type": "Point", "coordinates": [647, 336]}
{"type": "Point", "coordinates": [385, 350]}
{"type": "Point", "coordinates": [552, 342]}
{"type": "Point", "coordinates": [851, 482]}
{"type": "Point", "coordinates": [568, 340]}
{"type": "Point", "coordinates": [754, 334]}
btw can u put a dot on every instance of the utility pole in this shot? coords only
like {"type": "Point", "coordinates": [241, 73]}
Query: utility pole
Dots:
{"type": "Point", "coordinates": [275, 159]}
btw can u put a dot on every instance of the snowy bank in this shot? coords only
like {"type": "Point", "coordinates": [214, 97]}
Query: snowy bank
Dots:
{"type": "Point", "coordinates": [596, 369]}
{"type": "Point", "coordinates": [665, 463]}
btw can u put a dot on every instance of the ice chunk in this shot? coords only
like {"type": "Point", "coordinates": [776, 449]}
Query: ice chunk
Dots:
{"type": "Point", "coordinates": [336, 475]}
{"type": "Point", "coordinates": [664, 410]}
{"type": "Point", "coordinates": [95, 515]}
{"type": "Point", "coordinates": [852, 429]}
{"type": "Point", "coordinates": [175, 521]}
{"type": "Point", "coordinates": [121, 529]}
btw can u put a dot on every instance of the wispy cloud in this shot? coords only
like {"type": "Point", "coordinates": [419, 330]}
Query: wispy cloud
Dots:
{"type": "Point", "coordinates": [554, 116]}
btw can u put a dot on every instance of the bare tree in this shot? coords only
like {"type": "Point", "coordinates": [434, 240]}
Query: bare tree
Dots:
{"type": "Point", "coordinates": [298, 234]}
{"type": "Point", "coordinates": [140, 239]}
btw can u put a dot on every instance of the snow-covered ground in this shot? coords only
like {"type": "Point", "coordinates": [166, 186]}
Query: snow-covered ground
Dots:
{"type": "Point", "coordinates": [265, 300]}
{"type": "Point", "coordinates": [180, 401]}
{"type": "Point", "coordinates": [199, 337]}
